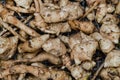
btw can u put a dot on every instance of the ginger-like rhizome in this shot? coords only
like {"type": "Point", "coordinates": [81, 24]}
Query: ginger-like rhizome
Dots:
{"type": "Point", "coordinates": [59, 39]}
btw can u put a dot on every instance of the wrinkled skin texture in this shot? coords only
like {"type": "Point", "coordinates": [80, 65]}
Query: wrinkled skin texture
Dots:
{"type": "Point", "coordinates": [74, 10]}
{"type": "Point", "coordinates": [50, 14]}
{"type": "Point", "coordinates": [110, 31]}
{"type": "Point", "coordinates": [101, 12]}
{"type": "Point", "coordinates": [112, 59]}
{"type": "Point", "coordinates": [8, 47]}
{"type": "Point", "coordinates": [55, 47]}
{"type": "Point", "coordinates": [69, 11]}
{"type": "Point", "coordinates": [85, 50]}
{"type": "Point", "coordinates": [79, 73]}
{"type": "Point", "coordinates": [59, 39]}
{"type": "Point", "coordinates": [107, 73]}
{"type": "Point", "coordinates": [111, 66]}
{"type": "Point", "coordinates": [106, 45]}
{"type": "Point", "coordinates": [84, 26]}
{"type": "Point", "coordinates": [33, 44]}
{"type": "Point", "coordinates": [37, 71]}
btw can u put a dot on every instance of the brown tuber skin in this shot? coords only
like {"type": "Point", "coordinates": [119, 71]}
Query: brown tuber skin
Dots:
{"type": "Point", "coordinates": [8, 47]}
{"type": "Point", "coordinates": [42, 73]}
{"type": "Point", "coordinates": [7, 17]}
{"type": "Point", "coordinates": [55, 47]}
{"type": "Point", "coordinates": [86, 26]}
{"type": "Point", "coordinates": [59, 39]}
{"type": "Point", "coordinates": [33, 44]}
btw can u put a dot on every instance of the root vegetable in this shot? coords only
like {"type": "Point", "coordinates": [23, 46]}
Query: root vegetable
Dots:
{"type": "Point", "coordinates": [42, 57]}
{"type": "Point", "coordinates": [84, 50]}
{"type": "Point", "coordinates": [110, 19]}
{"type": "Point", "coordinates": [13, 20]}
{"type": "Point", "coordinates": [107, 74]}
{"type": "Point", "coordinates": [11, 30]}
{"type": "Point", "coordinates": [101, 12]}
{"type": "Point", "coordinates": [78, 73]}
{"type": "Point", "coordinates": [33, 44]}
{"type": "Point", "coordinates": [74, 10]}
{"type": "Point", "coordinates": [42, 73]}
{"type": "Point", "coordinates": [86, 26]}
{"type": "Point", "coordinates": [55, 47]}
{"type": "Point", "coordinates": [8, 47]}
{"type": "Point", "coordinates": [110, 31]}
{"type": "Point", "coordinates": [38, 58]}
{"type": "Point", "coordinates": [112, 59]}
{"type": "Point", "coordinates": [59, 39]}
{"type": "Point", "coordinates": [50, 14]}
{"type": "Point", "coordinates": [74, 39]}
{"type": "Point", "coordinates": [97, 36]}
{"type": "Point", "coordinates": [88, 65]}
{"type": "Point", "coordinates": [54, 28]}
{"type": "Point", "coordinates": [106, 45]}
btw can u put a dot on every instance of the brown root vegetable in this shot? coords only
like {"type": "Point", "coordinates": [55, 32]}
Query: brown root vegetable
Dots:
{"type": "Point", "coordinates": [97, 36]}
{"type": "Point", "coordinates": [72, 40]}
{"type": "Point", "coordinates": [7, 17]}
{"type": "Point", "coordinates": [106, 45]}
{"type": "Point", "coordinates": [17, 23]}
{"type": "Point", "coordinates": [59, 39]}
{"type": "Point", "coordinates": [55, 47]}
{"type": "Point", "coordinates": [84, 50]}
{"type": "Point", "coordinates": [113, 59]}
{"type": "Point", "coordinates": [58, 28]}
{"type": "Point", "coordinates": [11, 30]}
{"type": "Point", "coordinates": [101, 12]}
{"type": "Point", "coordinates": [24, 3]}
{"type": "Point", "coordinates": [8, 47]}
{"type": "Point", "coordinates": [74, 10]}
{"type": "Point", "coordinates": [88, 65]}
{"type": "Point", "coordinates": [110, 19]}
{"type": "Point", "coordinates": [50, 14]}
{"type": "Point", "coordinates": [110, 31]}
{"type": "Point", "coordinates": [78, 73]}
{"type": "Point", "coordinates": [107, 74]}
{"type": "Point", "coordinates": [54, 28]}
{"type": "Point", "coordinates": [38, 58]}
{"type": "Point", "coordinates": [42, 73]}
{"type": "Point", "coordinates": [42, 57]}
{"type": "Point", "coordinates": [38, 22]}
{"type": "Point", "coordinates": [85, 26]}
{"type": "Point", "coordinates": [66, 61]}
{"type": "Point", "coordinates": [33, 44]}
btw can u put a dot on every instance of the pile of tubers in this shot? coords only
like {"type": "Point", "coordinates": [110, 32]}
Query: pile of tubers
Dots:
{"type": "Point", "coordinates": [58, 39]}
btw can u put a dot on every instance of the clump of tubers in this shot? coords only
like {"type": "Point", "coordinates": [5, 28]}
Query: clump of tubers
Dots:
{"type": "Point", "coordinates": [60, 40]}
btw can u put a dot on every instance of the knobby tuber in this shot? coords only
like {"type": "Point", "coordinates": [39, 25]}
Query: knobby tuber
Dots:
{"type": "Point", "coordinates": [59, 40]}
